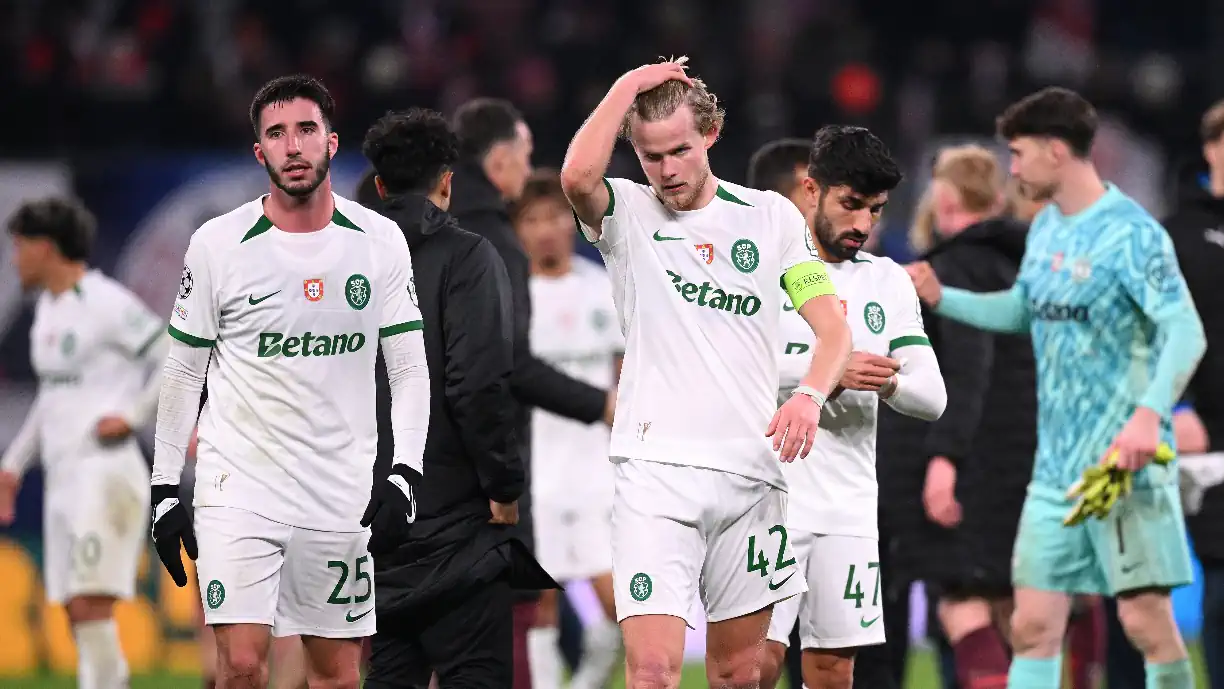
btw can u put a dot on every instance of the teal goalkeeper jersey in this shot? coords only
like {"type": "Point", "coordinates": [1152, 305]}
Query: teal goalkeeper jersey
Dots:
{"type": "Point", "coordinates": [1102, 295]}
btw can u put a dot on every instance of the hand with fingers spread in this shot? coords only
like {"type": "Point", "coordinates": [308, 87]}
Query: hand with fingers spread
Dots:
{"type": "Point", "coordinates": [868, 372]}
{"type": "Point", "coordinates": [648, 77]}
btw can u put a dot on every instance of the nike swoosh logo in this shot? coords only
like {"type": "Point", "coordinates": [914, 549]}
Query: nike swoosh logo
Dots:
{"type": "Point", "coordinates": [780, 584]}
{"type": "Point", "coordinates": [865, 624]}
{"type": "Point", "coordinates": [349, 615]}
{"type": "Point", "coordinates": [1127, 569]}
{"type": "Point", "coordinates": [253, 301]}
{"type": "Point", "coordinates": [788, 307]}
{"type": "Point", "coordinates": [660, 238]}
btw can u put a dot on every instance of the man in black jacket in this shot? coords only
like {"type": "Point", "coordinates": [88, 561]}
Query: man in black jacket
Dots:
{"type": "Point", "coordinates": [495, 152]}
{"type": "Point", "coordinates": [444, 582]}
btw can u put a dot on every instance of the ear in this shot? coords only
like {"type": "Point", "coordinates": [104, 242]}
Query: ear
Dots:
{"type": "Point", "coordinates": [712, 135]}
{"type": "Point", "coordinates": [380, 187]}
{"type": "Point", "coordinates": [259, 154]}
{"type": "Point", "coordinates": [1209, 154]}
{"type": "Point", "coordinates": [444, 184]}
{"type": "Point", "coordinates": [811, 192]}
{"type": "Point", "coordinates": [333, 144]}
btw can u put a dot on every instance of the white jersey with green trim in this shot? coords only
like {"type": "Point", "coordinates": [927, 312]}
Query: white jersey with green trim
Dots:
{"type": "Point", "coordinates": [697, 294]}
{"type": "Point", "coordinates": [834, 490]}
{"type": "Point", "coordinates": [288, 430]}
{"type": "Point", "coordinates": [87, 346]}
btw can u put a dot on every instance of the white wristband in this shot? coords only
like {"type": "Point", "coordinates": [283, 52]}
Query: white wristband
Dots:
{"type": "Point", "coordinates": [810, 392]}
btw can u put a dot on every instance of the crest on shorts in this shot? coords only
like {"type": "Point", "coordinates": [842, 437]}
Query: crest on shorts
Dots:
{"type": "Point", "coordinates": [214, 595]}
{"type": "Point", "coordinates": [744, 255]}
{"type": "Point", "coordinates": [313, 289]}
{"type": "Point", "coordinates": [640, 587]}
{"type": "Point", "coordinates": [873, 316]}
{"type": "Point", "coordinates": [357, 291]}
{"type": "Point", "coordinates": [706, 253]}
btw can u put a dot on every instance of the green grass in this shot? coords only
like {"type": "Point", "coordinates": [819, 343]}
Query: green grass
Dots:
{"type": "Point", "coordinates": [921, 674]}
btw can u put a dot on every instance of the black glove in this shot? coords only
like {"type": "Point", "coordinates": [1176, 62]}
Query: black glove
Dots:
{"type": "Point", "coordinates": [392, 508]}
{"type": "Point", "coordinates": [172, 532]}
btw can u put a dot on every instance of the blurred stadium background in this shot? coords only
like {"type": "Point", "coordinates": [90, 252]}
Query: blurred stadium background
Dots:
{"type": "Point", "coordinates": [139, 107]}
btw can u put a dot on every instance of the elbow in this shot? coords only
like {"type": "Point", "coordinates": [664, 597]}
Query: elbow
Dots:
{"type": "Point", "coordinates": [577, 180]}
{"type": "Point", "coordinates": [938, 403]}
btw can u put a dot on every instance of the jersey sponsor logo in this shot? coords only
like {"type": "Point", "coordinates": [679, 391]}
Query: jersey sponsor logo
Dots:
{"type": "Point", "coordinates": [745, 256]}
{"type": "Point", "coordinates": [185, 283]}
{"type": "Point", "coordinates": [709, 296]}
{"type": "Point", "coordinates": [662, 238]}
{"type": "Point", "coordinates": [309, 344]}
{"type": "Point", "coordinates": [357, 291]}
{"type": "Point", "coordinates": [255, 302]}
{"type": "Point", "coordinates": [873, 316]}
{"type": "Point", "coordinates": [59, 379]}
{"type": "Point", "coordinates": [313, 289]}
{"type": "Point", "coordinates": [705, 252]}
{"type": "Point", "coordinates": [1055, 312]}
{"type": "Point", "coordinates": [796, 348]}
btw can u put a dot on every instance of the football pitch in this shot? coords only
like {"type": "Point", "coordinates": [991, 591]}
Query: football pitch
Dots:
{"type": "Point", "coordinates": [922, 674]}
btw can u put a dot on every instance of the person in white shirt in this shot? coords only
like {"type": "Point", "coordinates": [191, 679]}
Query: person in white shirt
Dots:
{"type": "Point", "coordinates": [695, 263]}
{"type": "Point", "coordinates": [282, 304]}
{"type": "Point", "coordinates": [832, 513]}
{"type": "Point", "coordinates": [93, 345]}
{"type": "Point", "coordinates": [573, 327]}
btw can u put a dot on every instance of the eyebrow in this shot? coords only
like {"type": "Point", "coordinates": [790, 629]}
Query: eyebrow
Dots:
{"type": "Point", "coordinates": [301, 125]}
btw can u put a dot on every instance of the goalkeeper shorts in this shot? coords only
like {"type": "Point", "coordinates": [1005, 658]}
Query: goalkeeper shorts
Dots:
{"type": "Point", "coordinates": [1141, 544]}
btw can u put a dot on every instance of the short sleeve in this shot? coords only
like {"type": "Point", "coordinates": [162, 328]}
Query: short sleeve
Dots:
{"type": "Point", "coordinates": [400, 310]}
{"type": "Point", "coordinates": [905, 329]}
{"type": "Point", "coordinates": [1148, 270]}
{"type": "Point", "coordinates": [196, 312]}
{"type": "Point", "coordinates": [797, 243]}
{"type": "Point", "coordinates": [611, 228]}
{"type": "Point", "coordinates": [136, 328]}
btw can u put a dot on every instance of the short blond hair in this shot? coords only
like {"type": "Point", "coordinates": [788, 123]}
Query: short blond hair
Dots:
{"type": "Point", "coordinates": [665, 99]}
{"type": "Point", "coordinates": [922, 226]}
{"type": "Point", "coordinates": [974, 172]}
{"type": "Point", "coordinates": [1212, 126]}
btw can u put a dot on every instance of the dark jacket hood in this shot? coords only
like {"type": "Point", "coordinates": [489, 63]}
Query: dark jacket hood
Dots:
{"type": "Point", "coordinates": [1192, 193]}
{"type": "Point", "coordinates": [471, 191]}
{"type": "Point", "coordinates": [417, 216]}
{"type": "Point", "coordinates": [1004, 234]}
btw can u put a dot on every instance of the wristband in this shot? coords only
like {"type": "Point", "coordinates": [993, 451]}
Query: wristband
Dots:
{"type": "Point", "coordinates": [812, 392]}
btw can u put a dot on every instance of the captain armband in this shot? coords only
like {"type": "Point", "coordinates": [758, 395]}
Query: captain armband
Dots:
{"type": "Point", "coordinates": [807, 281]}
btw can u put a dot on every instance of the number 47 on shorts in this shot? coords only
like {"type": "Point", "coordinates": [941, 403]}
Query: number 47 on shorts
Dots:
{"type": "Point", "coordinates": [757, 562]}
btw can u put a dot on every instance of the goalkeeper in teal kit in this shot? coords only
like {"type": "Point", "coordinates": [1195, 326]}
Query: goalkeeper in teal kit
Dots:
{"type": "Point", "coordinates": [1116, 337]}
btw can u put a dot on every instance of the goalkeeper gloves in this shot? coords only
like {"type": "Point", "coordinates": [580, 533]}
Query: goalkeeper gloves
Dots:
{"type": "Point", "coordinates": [392, 507]}
{"type": "Point", "coordinates": [1101, 485]}
{"type": "Point", "coordinates": [172, 532]}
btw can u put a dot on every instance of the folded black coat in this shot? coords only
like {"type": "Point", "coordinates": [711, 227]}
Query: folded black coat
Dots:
{"type": "Point", "coordinates": [472, 451]}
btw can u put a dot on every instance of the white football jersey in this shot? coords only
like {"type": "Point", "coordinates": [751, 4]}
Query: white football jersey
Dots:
{"type": "Point", "coordinates": [86, 346]}
{"type": "Point", "coordinates": [288, 430]}
{"type": "Point", "coordinates": [834, 491]}
{"type": "Point", "coordinates": [573, 327]}
{"type": "Point", "coordinates": [698, 297]}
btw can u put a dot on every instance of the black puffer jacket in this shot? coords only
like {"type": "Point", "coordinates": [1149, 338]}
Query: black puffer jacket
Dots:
{"type": "Point", "coordinates": [1197, 229]}
{"type": "Point", "coordinates": [989, 428]}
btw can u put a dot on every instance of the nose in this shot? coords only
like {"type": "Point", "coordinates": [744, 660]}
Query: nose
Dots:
{"type": "Point", "coordinates": [863, 220]}
{"type": "Point", "coordinates": [668, 168]}
{"type": "Point", "coordinates": [293, 145]}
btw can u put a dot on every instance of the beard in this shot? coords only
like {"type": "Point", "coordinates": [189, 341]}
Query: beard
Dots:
{"type": "Point", "coordinates": [685, 202]}
{"type": "Point", "coordinates": [831, 241]}
{"type": "Point", "coordinates": [302, 188]}
{"type": "Point", "coordinates": [1039, 193]}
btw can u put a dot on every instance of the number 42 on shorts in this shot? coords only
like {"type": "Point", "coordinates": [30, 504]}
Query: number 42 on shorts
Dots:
{"type": "Point", "coordinates": [757, 562]}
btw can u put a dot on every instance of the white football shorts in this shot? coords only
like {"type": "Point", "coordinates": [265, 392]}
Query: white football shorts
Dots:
{"type": "Point", "coordinates": [298, 581]}
{"type": "Point", "coordinates": [843, 605]}
{"type": "Point", "coordinates": [679, 531]}
{"type": "Point", "coordinates": [573, 544]}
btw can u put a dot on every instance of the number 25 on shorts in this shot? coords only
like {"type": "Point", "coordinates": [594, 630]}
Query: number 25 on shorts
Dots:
{"type": "Point", "coordinates": [757, 562]}
{"type": "Point", "coordinates": [359, 575]}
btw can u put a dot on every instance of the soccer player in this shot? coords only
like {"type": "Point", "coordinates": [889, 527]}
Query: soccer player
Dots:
{"type": "Point", "coordinates": [93, 345]}
{"type": "Point", "coordinates": [695, 263]}
{"type": "Point", "coordinates": [282, 304]}
{"type": "Point", "coordinates": [1116, 338]}
{"type": "Point", "coordinates": [831, 515]}
{"type": "Point", "coordinates": [573, 327]}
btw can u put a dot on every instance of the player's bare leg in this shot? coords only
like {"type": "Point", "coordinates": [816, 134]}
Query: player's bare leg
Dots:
{"type": "Point", "coordinates": [332, 663]}
{"type": "Point", "coordinates": [828, 668]}
{"type": "Point", "coordinates": [601, 643]}
{"type": "Point", "coordinates": [542, 646]}
{"type": "Point", "coordinates": [980, 650]}
{"type": "Point", "coordinates": [242, 655]}
{"type": "Point", "coordinates": [1147, 617]}
{"type": "Point", "coordinates": [773, 662]}
{"type": "Point", "coordinates": [287, 663]}
{"type": "Point", "coordinates": [100, 661]}
{"type": "Point", "coordinates": [734, 649]}
{"type": "Point", "coordinates": [1038, 625]}
{"type": "Point", "coordinates": [654, 651]}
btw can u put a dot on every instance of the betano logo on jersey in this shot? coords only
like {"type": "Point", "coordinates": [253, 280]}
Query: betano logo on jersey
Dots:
{"type": "Point", "coordinates": [309, 344]}
{"type": "Point", "coordinates": [711, 297]}
{"type": "Point", "coordinates": [1053, 311]}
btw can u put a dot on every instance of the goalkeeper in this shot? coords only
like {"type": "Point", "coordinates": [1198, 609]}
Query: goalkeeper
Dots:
{"type": "Point", "coordinates": [1116, 338]}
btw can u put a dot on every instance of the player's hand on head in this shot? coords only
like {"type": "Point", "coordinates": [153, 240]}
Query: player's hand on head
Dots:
{"type": "Point", "coordinates": [504, 512]}
{"type": "Point", "coordinates": [926, 283]}
{"type": "Point", "coordinates": [649, 76]}
{"type": "Point", "coordinates": [111, 429]}
{"type": "Point", "coordinates": [392, 508]}
{"type": "Point", "coordinates": [9, 484]}
{"type": "Point", "coordinates": [868, 372]}
{"type": "Point", "coordinates": [172, 532]}
{"type": "Point", "coordinates": [1138, 440]}
{"type": "Point", "coordinates": [794, 427]}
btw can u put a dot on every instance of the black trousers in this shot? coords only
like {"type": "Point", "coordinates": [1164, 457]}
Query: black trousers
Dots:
{"type": "Point", "coordinates": [469, 643]}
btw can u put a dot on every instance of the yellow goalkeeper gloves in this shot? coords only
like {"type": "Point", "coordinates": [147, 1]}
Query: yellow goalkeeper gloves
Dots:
{"type": "Point", "coordinates": [1101, 485]}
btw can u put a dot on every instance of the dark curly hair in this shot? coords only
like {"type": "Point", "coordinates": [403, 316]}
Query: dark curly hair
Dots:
{"type": "Point", "coordinates": [1053, 113]}
{"type": "Point", "coordinates": [285, 89]}
{"type": "Point", "coordinates": [410, 150]}
{"type": "Point", "coordinates": [852, 157]}
{"type": "Point", "coordinates": [66, 222]}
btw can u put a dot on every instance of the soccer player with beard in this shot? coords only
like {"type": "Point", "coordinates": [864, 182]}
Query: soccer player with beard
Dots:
{"type": "Point", "coordinates": [831, 516]}
{"type": "Point", "coordinates": [695, 263]}
{"type": "Point", "coordinates": [281, 306]}
{"type": "Point", "coordinates": [1116, 338]}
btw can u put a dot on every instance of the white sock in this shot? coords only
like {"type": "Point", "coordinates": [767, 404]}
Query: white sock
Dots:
{"type": "Point", "coordinates": [100, 661]}
{"type": "Point", "coordinates": [544, 656]}
{"type": "Point", "coordinates": [601, 646]}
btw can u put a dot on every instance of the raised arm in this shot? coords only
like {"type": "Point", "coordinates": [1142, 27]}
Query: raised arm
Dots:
{"type": "Point", "coordinates": [590, 151]}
